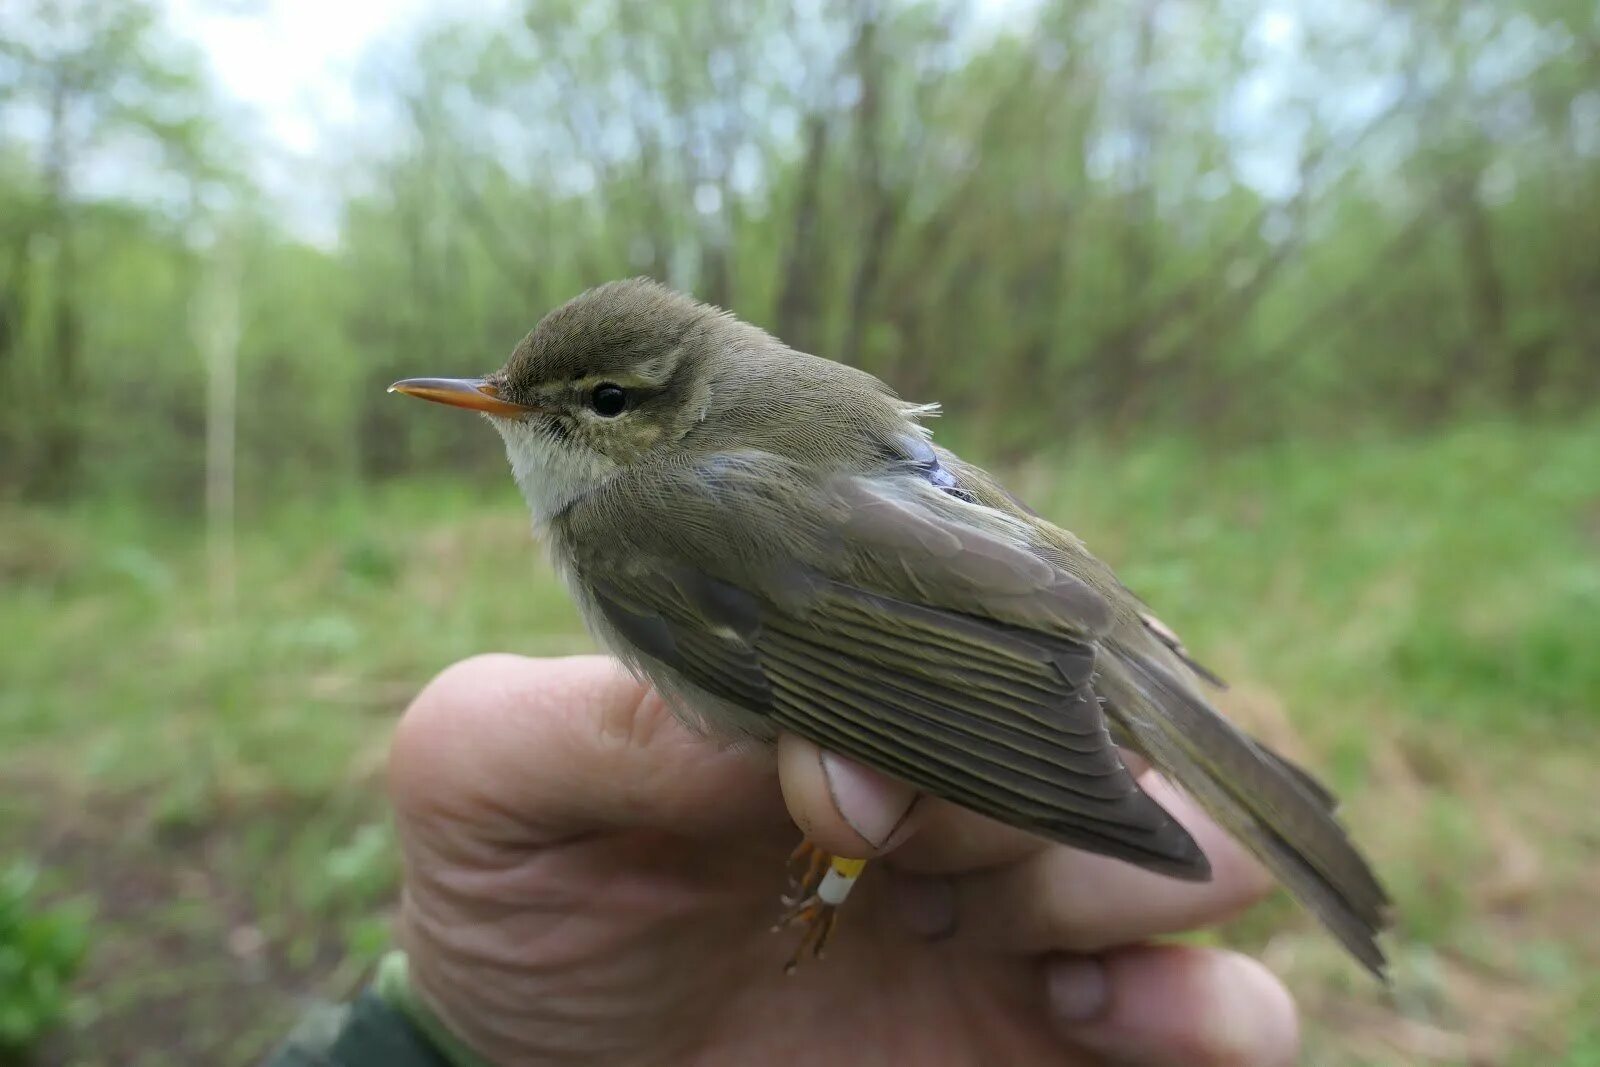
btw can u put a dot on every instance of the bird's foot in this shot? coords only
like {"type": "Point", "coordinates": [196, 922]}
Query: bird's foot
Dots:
{"type": "Point", "coordinates": [818, 884]}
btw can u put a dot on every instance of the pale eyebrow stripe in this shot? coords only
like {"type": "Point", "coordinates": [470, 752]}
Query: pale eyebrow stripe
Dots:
{"type": "Point", "coordinates": [627, 381]}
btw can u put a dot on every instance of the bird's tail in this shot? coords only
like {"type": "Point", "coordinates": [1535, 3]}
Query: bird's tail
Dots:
{"type": "Point", "coordinates": [1277, 810]}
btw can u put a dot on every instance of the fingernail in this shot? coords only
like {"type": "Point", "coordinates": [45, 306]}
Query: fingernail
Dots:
{"type": "Point", "coordinates": [872, 804]}
{"type": "Point", "coordinates": [1077, 988]}
{"type": "Point", "coordinates": [926, 905]}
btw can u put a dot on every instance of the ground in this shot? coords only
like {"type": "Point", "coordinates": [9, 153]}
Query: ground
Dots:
{"type": "Point", "coordinates": [201, 758]}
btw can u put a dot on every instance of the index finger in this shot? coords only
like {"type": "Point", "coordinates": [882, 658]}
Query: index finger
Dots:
{"type": "Point", "coordinates": [537, 750]}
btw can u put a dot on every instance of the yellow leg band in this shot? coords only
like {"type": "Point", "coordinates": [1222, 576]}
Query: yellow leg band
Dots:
{"type": "Point", "coordinates": [838, 882]}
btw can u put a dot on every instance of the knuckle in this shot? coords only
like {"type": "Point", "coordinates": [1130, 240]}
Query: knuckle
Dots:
{"type": "Point", "coordinates": [1243, 883]}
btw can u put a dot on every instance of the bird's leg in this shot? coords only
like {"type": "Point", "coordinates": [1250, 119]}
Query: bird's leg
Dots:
{"type": "Point", "coordinates": [818, 884]}
{"type": "Point", "coordinates": [808, 865]}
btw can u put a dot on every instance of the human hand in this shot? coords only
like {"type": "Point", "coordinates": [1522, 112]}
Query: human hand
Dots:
{"type": "Point", "coordinates": [586, 881]}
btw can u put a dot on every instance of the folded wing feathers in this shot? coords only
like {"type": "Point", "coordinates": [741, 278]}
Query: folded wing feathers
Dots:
{"type": "Point", "coordinates": [932, 640]}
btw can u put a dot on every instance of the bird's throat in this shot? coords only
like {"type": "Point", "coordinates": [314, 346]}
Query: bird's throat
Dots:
{"type": "Point", "coordinates": [551, 473]}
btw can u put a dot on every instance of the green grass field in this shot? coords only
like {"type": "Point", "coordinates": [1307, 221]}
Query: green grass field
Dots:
{"type": "Point", "coordinates": [1418, 619]}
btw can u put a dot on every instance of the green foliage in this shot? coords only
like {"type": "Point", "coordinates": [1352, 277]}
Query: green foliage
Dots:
{"type": "Point", "coordinates": [1353, 591]}
{"type": "Point", "coordinates": [41, 949]}
{"type": "Point", "coordinates": [1414, 565]}
{"type": "Point", "coordinates": [1585, 1049]}
{"type": "Point", "coordinates": [1236, 223]}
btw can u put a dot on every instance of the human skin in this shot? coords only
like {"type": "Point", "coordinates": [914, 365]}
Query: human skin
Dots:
{"type": "Point", "coordinates": [589, 881]}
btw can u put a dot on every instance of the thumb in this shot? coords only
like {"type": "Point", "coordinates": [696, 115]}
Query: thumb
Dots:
{"type": "Point", "coordinates": [530, 751]}
{"type": "Point", "coordinates": [1174, 1004]}
{"type": "Point", "coordinates": [842, 807]}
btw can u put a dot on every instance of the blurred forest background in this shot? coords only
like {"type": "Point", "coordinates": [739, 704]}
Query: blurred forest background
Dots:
{"type": "Point", "coordinates": [1292, 309]}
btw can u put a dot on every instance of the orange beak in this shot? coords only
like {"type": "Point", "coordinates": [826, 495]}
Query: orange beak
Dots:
{"type": "Point", "coordinates": [474, 393]}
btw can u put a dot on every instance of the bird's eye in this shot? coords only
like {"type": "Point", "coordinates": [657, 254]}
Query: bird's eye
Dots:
{"type": "Point", "coordinates": [608, 400]}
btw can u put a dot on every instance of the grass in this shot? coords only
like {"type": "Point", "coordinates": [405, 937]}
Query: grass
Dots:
{"type": "Point", "coordinates": [1416, 618]}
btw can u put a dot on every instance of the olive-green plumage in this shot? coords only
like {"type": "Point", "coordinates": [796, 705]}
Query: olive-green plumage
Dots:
{"type": "Point", "coordinates": [771, 538]}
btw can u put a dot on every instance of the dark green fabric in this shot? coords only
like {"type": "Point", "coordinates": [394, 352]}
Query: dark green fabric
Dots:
{"type": "Point", "coordinates": [393, 985]}
{"type": "Point", "coordinates": [367, 1033]}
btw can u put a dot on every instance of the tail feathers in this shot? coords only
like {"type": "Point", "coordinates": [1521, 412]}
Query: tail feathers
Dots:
{"type": "Point", "coordinates": [1304, 778]}
{"type": "Point", "coordinates": [1277, 810]}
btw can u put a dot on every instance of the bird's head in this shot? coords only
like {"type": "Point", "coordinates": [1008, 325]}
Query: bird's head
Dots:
{"type": "Point", "coordinates": [632, 372]}
{"type": "Point", "coordinates": [614, 375]}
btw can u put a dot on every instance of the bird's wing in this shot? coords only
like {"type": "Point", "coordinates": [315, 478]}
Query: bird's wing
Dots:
{"type": "Point", "coordinates": [1279, 811]}
{"type": "Point", "coordinates": [855, 613]}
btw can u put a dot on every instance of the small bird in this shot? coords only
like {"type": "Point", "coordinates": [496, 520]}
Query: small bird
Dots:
{"type": "Point", "coordinates": [773, 540]}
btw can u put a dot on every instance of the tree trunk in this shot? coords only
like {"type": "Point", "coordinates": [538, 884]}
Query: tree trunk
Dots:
{"type": "Point", "coordinates": [1487, 303]}
{"type": "Point", "coordinates": [797, 303]}
{"type": "Point", "coordinates": [56, 474]}
{"type": "Point", "coordinates": [216, 329]}
{"type": "Point", "coordinates": [879, 206]}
